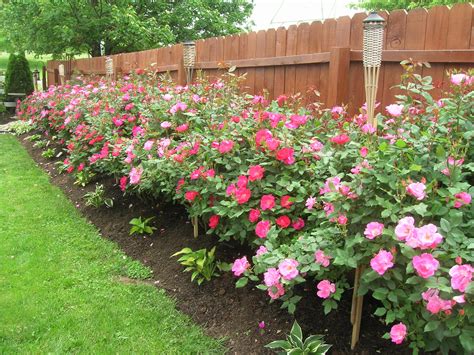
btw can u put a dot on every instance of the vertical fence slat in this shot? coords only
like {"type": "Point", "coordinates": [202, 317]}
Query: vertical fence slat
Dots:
{"type": "Point", "coordinates": [260, 72]}
{"type": "Point", "coordinates": [280, 50]}
{"type": "Point", "coordinates": [437, 36]}
{"type": "Point", "coordinates": [302, 47]}
{"type": "Point", "coordinates": [314, 70]}
{"type": "Point", "coordinates": [395, 39]}
{"type": "Point", "coordinates": [356, 70]}
{"type": "Point", "coordinates": [290, 71]}
{"type": "Point", "coordinates": [270, 50]}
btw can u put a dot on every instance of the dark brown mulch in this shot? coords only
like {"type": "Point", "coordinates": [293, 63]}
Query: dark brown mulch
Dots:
{"type": "Point", "coordinates": [224, 312]}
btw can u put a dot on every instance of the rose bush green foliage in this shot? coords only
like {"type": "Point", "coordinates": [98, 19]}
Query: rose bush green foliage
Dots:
{"type": "Point", "coordinates": [18, 77]}
{"type": "Point", "coordinates": [315, 191]}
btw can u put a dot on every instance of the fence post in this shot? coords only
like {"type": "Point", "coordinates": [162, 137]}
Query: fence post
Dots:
{"type": "Point", "coordinates": [43, 78]}
{"type": "Point", "coordinates": [338, 79]}
{"type": "Point", "coordinates": [181, 69]}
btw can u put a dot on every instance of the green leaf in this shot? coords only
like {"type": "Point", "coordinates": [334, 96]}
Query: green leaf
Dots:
{"type": "Point", "coordinates": [432, 325]}
{"type": "Point", "coordinates": [279, 344]}
{"type": "Point", "coordinates": [241, 282]}
{"type": "Point", "coordinates": [296, 330]}
{"type": "Point", "coordinates": [445, 225]}
{"type": "Point", "coordinates": [380, 311]}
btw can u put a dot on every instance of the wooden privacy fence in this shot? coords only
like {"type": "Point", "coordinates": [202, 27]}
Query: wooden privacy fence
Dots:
{"type": "Point", "coordinates": [323, 56]}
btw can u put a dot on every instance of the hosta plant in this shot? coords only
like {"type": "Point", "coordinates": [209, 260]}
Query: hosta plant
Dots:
{"type": "Point", "coordinates": [141, 226]}
{"type": "Point", "coordinates": [202, 263]}
{"type": "Point", "coordinates": [295, 344]}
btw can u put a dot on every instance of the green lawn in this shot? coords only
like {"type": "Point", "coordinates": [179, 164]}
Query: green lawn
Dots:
{"type": "Point", "coordinates": [59, 288]}
{"type": "Point", "coordinates": [35, 63]}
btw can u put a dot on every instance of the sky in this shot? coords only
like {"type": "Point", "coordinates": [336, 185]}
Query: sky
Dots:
{"type": "Point", "coordinates": [276, 13]}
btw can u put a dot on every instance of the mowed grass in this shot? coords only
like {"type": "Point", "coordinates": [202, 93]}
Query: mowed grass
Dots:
{"type": "Point", "coordinates": [59, 287]}
{"type": "Point", "coordinates": [35, 63]}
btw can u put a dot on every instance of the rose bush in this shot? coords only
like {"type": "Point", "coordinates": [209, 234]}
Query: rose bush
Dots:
{"type": "Point", "coordinates": [317, 192]}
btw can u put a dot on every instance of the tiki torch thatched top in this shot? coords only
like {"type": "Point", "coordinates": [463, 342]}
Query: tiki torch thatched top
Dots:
{"type": "Point", "coordinates": [373, 40]}
{"type": "Point", "coordinates": [189, 54]}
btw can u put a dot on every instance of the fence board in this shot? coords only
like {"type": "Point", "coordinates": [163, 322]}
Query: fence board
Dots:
{"type": "Point", "coordinates": [270, 50]}
{"type": "Point", "coordinates": [280, 50]}
{"type": "Point", "coordinates": [287, 61]}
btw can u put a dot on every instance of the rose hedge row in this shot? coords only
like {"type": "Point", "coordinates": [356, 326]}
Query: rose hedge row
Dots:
{"type": "Point", "coordinates": [317, 192]}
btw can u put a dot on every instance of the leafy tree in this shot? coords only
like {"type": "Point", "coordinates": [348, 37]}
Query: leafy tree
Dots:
{"type": "Point", "coordinates": [70, 27]}
{"type": "Point", "coordinates": [18, 78]}
{"type": "Point", "coordinates": [390, 5]}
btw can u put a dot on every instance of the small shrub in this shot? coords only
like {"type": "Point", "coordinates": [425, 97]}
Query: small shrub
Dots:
{"type": "Point", "coordinates": [294, 343]}
{"type": "Point", "coordinates": [97, 198]}
{"type": "Point", "coordinates": [202, 263]}
{"type": "Point", "coordinates": [18, 78]}
{"type": "Point", "coordinates": [83, 178]}
{"type": "Point", "coordinates": [41, 144]}
{"type": "Point", "coordinates": [20, 127]}
{"type": "Point", "coordinates": [140, 226]}
{"type": "Point", "coordinates": [49, 153]}
{"type": "Point", "coordinates": [33, 138]}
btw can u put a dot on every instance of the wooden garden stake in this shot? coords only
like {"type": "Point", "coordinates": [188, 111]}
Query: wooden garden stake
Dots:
{"type": "Point", "coordinates": [372, 58]}
{"type": "Point", "coordinates": [195, 222]}
{"type": "Point", "coordinates": [61, 73]}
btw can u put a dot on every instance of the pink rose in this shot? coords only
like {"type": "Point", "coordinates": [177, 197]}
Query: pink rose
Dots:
{"type": "Point", "coordinates": [267, 202]}
{"type": "Point", "coordinates": [285, 202]}
{"type": "Point", "coordinates": [276, 291]}
{"type": "Point", "coordinates": [283, 221]}
{"type": "Point", "coordinates": [342, 220]}
{"type": "Point", "coordinates": [287, 269]}
{"type": "Point", "coordinates": [398, 333]}
{"type": "Point", "coordinates": [417, 190]}
{"type": "Point", "coordinates": [340, 139]}
{"type": "Point", "coordinates": [123, 183]}
{"type": "Point", "coordinates": [325, 289]}
{"type": "Point", "coordinates": [435, 303]}
{"type": "Point", "coordinates": [405, 228]}
{"type": "Point", "coordinates": [321, 258]}
{"type": "Point", "coordinates": [148, 145]}
{"type": "Point", "coordinates": [427, 237]}
{"type": "Point", "coordinates": [373, 229]}
{"type": "Point", "coordinates": [256, 173]}
{"type": "Point", "coordinates": [381, 262]}
{"type": "Point", "coordinates": [298, 224]}
{"type": "Point", "coordinates": [254, 215]}
{"type": "Point", "coordinates": [242, 195]}
{"type": "Point", "coordinates": [262, 228]}
{"type": "Point", "coordinates": [191, 195]}
{"type": "Point", "coordinates": [285, 155]}
{"type": "Point", "coordinates": [271, 277]}
{"type": "Point", "coordinates": [225, 146]}
{"type": "Point", "coordinates": [261, 250]}
{"type": "Point", "coordinates": [310, 203]}
{"type": "Point", "coordinates": [182, 128]}
{"type": "Point", "coordinates": [462, 199]}
{"type": "Point", "coordinates": [425, 265]}
{"type": "Point", "coordinates": [364, 151]}
{"type": "Point", "coordinates": [214, 221]}
{"type": "Point", "coordinates": [240, 265]}
{"type": "Point", "coordinates": [165, 124]}
{"type": "Point", "coordinates": [461, 276]}
{"type": "Point", "coordinates": [135, 175]}
{"type": "Point", "coordinates": [458, 79]}
{"type": "Point", "coordinates": [394, 110]}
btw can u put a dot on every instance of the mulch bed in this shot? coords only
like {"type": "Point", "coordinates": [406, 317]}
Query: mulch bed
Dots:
{"type": "Point", "coordinates": [223, 310]}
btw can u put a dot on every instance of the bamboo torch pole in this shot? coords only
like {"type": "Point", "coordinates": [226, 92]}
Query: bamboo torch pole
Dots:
{"type": "Point", "coordinates": [372, 58]}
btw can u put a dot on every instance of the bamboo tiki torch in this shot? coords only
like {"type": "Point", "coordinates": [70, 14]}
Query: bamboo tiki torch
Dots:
{"type": "Point", "coordinates": [372, 58]}
{"type": "Point", "coordinates": [189, 59]}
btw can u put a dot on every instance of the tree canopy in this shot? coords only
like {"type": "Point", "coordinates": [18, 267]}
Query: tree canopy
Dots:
{"type": "Point", "coordinates": [390, 5]}
{"type": "Point", "coordinates": [70, 27]}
